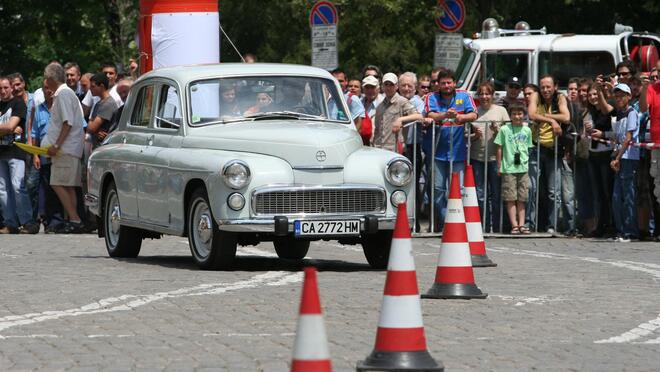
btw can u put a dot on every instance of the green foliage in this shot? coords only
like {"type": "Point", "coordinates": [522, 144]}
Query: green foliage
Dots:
{"type": "Point", "coordinates": [36, 32]}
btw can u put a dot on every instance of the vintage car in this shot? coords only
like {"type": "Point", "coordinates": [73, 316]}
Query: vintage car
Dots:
{"type": "Point", "coordinates": [233, 154]}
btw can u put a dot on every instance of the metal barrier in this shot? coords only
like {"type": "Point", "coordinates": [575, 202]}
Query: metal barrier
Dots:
{"type": "Point", "coordinates": [430, 173]}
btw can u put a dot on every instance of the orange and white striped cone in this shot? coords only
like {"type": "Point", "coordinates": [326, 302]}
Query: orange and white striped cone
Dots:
{"type": "Point", "coordinates": [310, 351]}
{"type": "Point", "coordinates": [454, 277]}
{"type": "Point", "coordinates": [473, 222]}
{"type": "Point", "coordinates": [400, 339]}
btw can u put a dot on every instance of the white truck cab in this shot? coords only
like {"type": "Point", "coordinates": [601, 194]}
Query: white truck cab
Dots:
{"type": "Point", "coordinates": [497, 54]}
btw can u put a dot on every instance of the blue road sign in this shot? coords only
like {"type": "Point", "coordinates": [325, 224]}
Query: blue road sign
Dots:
{"type": "Point", "coordinates": [453, 15]}
{"type": "Point", "coordinates": [323, 13]}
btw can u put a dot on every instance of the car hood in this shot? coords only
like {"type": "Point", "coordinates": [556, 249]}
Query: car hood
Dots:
{"type": "Point", "coordinates": [302, 144]}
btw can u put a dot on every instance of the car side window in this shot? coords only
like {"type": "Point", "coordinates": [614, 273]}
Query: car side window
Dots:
{"type": "Point", "coordinates": [143, 105]}
{"type": "Point", "coordinates": [169, 109]}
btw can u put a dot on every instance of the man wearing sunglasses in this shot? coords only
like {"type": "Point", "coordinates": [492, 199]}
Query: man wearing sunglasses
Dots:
{"type": "Point", "coordinates": [649, 100]}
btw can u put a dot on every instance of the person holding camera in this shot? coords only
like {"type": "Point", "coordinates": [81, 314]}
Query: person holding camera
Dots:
{"type": "Point", "coordinates": [513, 142]}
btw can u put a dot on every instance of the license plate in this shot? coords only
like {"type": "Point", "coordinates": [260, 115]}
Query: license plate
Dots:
{"type": "Point", "coordinates": [349, 227]}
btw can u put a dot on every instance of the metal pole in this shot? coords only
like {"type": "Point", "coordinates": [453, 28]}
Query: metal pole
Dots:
{"type": "Point", "coordinates": [538, 175]}
{"type": "Point", "coordinates": [451, 151]}
{"type": "Point", "coordinates": [485, 204]}
{"type": "Point", "coordinates": [554, 222]}
{"type": "Point", "coordinates": [414, 154]}
{"type": "Point", "coordinates": [575, 205]}
{"type": "Point", "coordinates": [432, 162]}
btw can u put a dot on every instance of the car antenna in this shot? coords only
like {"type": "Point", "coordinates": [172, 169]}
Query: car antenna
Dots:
{"type": "Point", "coordinates": [232, 43]}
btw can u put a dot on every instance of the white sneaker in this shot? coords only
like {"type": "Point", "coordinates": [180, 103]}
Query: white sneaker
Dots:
{"type": "Point", "coordinates": [623, 239]}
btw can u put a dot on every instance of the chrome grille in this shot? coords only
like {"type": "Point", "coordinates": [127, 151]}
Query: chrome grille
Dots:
{"type": "Point", "coordinates": [318, 201]}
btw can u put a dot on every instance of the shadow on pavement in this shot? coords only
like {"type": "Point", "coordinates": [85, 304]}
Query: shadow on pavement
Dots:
{"type": "Point", "coordinates": [247, 263]}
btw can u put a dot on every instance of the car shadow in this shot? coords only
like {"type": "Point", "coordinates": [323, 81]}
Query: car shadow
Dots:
{"type": "Point", "coordinates": [247, 263]}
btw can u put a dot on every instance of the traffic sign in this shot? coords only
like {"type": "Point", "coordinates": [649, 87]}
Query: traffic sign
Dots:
{"type": "Point", "coordinates": [324, 47]}
{"type": "Point", "coordinates": [453, 15]}
{"type": "Point", "coordinates": [323, 19]}
{"type": "Point", "coordinates": [448, 50]}
{"type": "Point", "coordinates": [323, 13]}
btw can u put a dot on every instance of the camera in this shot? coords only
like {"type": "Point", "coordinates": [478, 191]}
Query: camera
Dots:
{"type": "Point", "coordinates": [516, 158]}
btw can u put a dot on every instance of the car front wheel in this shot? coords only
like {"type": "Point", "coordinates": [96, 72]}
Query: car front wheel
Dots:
{"type": "Point", "coordinates": [211, 248]}
{"type": "Point", "coordinates": [376, 248]}
{"type": "Point", "coordinates": [120, 241]}
{"type": "Point", "coordinates": [291, 248]}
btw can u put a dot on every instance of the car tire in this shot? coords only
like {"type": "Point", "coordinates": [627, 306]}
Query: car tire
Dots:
{"type": "Point", "coordinates": [211, 248]}
{"type": "Point", "coordinates": [291, 248]}
{"type": "Point", "coordinates": [120, 241]}
{"type": "Point", "coordinates": [376, 248]}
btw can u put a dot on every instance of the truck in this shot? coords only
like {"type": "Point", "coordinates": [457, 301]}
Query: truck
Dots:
{"type": "Point", "coordinates": [496, 54]}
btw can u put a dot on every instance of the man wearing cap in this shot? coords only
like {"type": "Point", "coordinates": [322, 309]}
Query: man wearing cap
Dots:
{"type": "Point", "coordinates": [625, 161]}
{"type": "Point", "coordinates": [370, 100]}
{"type": "Point", "coordinates": [513, 87]}
{"type": "Point", "coordinates": [391, 114]}
{"type": "Point", "coordinates": [450, 109]}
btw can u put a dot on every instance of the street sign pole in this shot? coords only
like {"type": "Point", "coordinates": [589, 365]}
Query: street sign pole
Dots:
{"type": "Point", "coordinates": [323, 20]}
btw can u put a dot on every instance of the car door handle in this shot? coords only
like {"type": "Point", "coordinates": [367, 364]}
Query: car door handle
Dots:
{"type": "Point", "coordinates": [150, 140]}
{"type": "Point", "coordinates": [123, 139]}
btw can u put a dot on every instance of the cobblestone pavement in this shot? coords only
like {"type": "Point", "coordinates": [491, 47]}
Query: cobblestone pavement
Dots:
{"type": "Point", "coordinates": [554, 304]}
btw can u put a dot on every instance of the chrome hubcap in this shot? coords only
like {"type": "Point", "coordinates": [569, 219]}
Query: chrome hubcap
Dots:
{"type": "Point", "coordinates": [205, 228]}
{"type": "Point", "coordinates": [114, 219]}
{"type": "Point", "coordinates": [201, 224]}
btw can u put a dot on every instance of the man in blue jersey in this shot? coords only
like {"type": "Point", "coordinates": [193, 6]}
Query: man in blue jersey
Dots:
{"type": "Point", "coordinates": [450, 109]}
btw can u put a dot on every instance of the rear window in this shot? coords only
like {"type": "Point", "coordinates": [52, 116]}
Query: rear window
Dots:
{"type": "Point", "coordinates": [565, 65]}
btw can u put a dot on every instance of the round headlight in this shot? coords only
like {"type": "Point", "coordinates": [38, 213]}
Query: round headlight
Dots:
{"type": "Point", "coordinates": [236, 174]}
{"type": "Point", "coordinates": [236, 201]}
{"type": "Point", "coordinates": [398, 197]}
{"type": "Point", "coordinates": [399, 172]}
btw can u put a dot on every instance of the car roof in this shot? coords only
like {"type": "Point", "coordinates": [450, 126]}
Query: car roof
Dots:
{"type": "Point", "coordinates": [188, 73]}
{"type": "Point", "coordinates": [554, 42]}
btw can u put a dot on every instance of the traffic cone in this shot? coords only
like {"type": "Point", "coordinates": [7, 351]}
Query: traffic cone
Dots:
{"type": "Point", "coordinates": [310, 351]}
{"type": "Point", "coordinates": [400, 340]}
{"type": "Point", "coordinates": [454, 277]}
{"type": "Point", "coordinates": [473, 222]}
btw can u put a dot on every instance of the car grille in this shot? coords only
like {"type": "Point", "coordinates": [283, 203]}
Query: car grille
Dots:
{"type": "Point", "coordinates": [318, 201]}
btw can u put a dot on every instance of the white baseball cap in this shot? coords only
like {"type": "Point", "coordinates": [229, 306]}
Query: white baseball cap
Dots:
{"type": "Point", "coordinates": [623, 87]}
{"type": "Point", "coordinates": [370, 80]}
{"type": "Point", "coordinates": [391, 78]}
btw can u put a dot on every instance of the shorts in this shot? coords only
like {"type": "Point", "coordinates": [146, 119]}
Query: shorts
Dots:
{"type": "Point", "coordinates": [515, 187]}
{"type": "Point", "coordinates": [65, 171]}
{"type": "Point", "coordinates": [655, 172]}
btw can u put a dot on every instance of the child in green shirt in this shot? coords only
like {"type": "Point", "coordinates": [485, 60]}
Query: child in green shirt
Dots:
{"type": "Point", "coordinates": [513, 141]}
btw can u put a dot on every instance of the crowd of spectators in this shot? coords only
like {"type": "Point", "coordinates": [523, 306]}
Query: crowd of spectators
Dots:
{"type": "Point", "coordinates": [574, 164]}
{"type": "Point", "coordinates": [69, 115]}
{"type": "Point", "coordinates": [542, 160]}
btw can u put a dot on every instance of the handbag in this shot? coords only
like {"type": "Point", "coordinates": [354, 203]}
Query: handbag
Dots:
{"type": "Point", "coordinates": [367, 129]}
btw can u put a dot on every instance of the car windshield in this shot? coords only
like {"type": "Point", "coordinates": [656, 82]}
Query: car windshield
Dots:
{"type": "Point", "coordinates": [227, 100]}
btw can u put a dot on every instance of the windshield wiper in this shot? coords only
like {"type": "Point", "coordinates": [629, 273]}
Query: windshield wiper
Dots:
{"type": "Point", "coordinates": [287, 114]}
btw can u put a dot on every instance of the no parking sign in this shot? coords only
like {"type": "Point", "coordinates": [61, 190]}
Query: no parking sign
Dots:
{"type": "Point", "coordinates": [449, 45]}
{"type": "Point", "coordinates": [323, 19]}
{"type": "Point", "coordinates": [453, 15]}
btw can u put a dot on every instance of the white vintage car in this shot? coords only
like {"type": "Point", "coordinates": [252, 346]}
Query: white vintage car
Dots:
{"type": "Point", "coordinates": [240, 154]}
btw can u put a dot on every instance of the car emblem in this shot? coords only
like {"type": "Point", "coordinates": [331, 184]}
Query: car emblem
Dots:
{"type": "Point", "coordinates": [321, 156]}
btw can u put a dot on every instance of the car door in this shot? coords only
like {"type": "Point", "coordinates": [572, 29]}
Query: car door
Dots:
{"type": "Point", "coordinates": [154, 189]}
{"type": "Point", "coordinates": [130, 153]}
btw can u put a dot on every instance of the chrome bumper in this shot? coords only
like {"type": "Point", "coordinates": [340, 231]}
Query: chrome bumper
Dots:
{"type": "Point", "coordinates": [91, 201]}
{"type": "Point", "coordinates": [284, 225]}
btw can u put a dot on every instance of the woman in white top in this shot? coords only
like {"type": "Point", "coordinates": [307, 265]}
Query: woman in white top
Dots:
{"type": "Point", "coordinates": [482, 154]}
